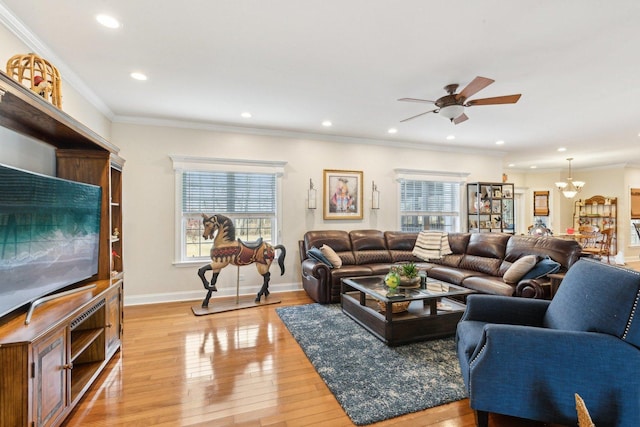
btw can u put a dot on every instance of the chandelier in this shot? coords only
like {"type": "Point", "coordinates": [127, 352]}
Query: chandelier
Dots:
{"type": "Point", "coordinates": [570, 188]}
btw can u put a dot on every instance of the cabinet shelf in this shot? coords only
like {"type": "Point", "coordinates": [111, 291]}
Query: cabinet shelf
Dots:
{"type": "Point", "coordinates": [81, 340]}
{"type": "Point", "coordinates": [81, 376]}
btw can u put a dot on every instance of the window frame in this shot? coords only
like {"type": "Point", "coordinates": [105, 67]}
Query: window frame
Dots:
{"type": "Point", "coordinates": [206, 164]}
{"type": "Point", "coordinates": [460, 178]}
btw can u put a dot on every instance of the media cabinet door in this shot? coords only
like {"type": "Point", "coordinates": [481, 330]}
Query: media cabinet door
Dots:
{"type": "Point", "coordinates": [51, 377]}
{"type": "Point", "coordinates": [114, 315]}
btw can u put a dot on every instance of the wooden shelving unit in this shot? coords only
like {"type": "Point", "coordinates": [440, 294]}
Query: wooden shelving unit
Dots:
{"type": "Point", "coordinates": [490, 207]}
{"type": "Point", "coordinates": [48, 365]}
{"type": "Point", "coordinates": [599, 211]}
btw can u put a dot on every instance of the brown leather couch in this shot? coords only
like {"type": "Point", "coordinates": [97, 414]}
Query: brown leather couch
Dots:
{"type": "Point", "coordinates": [478, 261]}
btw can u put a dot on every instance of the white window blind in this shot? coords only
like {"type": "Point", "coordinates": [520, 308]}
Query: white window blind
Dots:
{"type": "Point", "coordinates": [228, 193]}
{"type": "Point", "coordinates": [429, 205]}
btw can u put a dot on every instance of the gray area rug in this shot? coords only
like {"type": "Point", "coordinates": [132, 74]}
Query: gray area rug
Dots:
{"type": "Point", "coordinates": [371, 381]}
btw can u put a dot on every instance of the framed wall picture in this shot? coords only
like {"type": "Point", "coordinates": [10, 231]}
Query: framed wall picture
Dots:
{"type": "Point", "coordinates": [342, 194]}
{"type": "Point", "coordinates": [540, 203]}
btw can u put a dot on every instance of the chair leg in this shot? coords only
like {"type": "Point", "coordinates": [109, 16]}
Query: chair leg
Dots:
{"type": "Point", "coordinates": [482, 419]}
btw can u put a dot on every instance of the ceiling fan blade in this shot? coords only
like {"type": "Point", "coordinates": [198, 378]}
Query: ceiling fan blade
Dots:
{"type": "Point", "coordinates": [507, 99]}
{"type": "Point", "coordinates": [416, 100]}
{"type": "Point", "coordinates": [474, 87]}
{"type": "Point", "coordinates": [418, 115]}
{"type": "Point", "coordinates": [461, 118]}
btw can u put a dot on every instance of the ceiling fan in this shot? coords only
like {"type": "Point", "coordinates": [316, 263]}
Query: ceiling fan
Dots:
{"type": "Point", "coordinates": [452, 105]}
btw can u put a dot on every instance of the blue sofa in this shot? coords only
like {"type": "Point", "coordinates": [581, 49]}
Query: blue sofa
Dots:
{"type": "Point", "coordinates": [527, 358]}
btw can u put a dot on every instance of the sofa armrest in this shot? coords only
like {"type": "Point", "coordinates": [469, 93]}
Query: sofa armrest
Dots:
{"type": "Point", "coordinates": [502, 309]}
{"type": "Point", "coordinates": [317, 269]}
{"type": "Point", "coordinates": [532, 288]}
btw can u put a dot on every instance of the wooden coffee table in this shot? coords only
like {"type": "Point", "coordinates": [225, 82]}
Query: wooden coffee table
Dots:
{"type": "Point", "coordinates": [430, 313]}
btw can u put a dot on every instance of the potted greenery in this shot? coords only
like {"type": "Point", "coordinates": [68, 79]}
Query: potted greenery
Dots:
{"type": "Point", "coordinates": [408, 273]}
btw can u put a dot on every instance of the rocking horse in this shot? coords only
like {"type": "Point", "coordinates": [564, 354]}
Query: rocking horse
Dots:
{"type": "Point", "coordinates": [227, 250]}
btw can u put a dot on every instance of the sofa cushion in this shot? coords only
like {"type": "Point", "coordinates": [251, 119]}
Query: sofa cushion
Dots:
{"type": "Point", "coordinates": [337, 239]}
{"type": "Point", "coordinates": [331, 255]}
{"type": "Point", "coordinates": [369, 246]}
{"type": "Point", "coordinates": [488, 245]}
{"type": "Point", "coordinates": [400, 245]}
{"type": "Point", "coordinates": [486, 265]}
{"type": "Point", "coordinates": [458, 242]}
{"type": "Point", "coordinates": [316, 254]}
{"type": "Point", "coordinates": [542, 268]}
{"type": "Point", "coordinates": [566, 252]}
{"type": "Point", "coordinates": [519, 268]}
{"type": "Point", "coordinates": [450, 274]}
{"type": "Point", "coordinates": [489, 285]}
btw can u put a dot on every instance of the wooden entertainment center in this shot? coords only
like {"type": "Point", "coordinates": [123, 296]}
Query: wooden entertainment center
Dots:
{"type": "Point", "coordinates": [48, 363]}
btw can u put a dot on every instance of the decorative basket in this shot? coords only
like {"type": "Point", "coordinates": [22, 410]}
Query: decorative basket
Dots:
{"type": "Point", "coordinates": [396, 307]}
{"type": "Point", "coordinates": [37, 74]}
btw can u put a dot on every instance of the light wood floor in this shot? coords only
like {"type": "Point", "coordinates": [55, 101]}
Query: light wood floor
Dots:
{"type": "Point", "coordinates": [235, 368]}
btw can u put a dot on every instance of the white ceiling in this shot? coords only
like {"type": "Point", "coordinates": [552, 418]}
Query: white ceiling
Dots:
{"type": "Point", "coordinates": [293, 64]}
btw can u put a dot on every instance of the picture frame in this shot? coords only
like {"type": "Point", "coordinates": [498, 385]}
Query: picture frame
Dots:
{"type": "Point", "coordinates": [342, 195]}
{"type": "Point", "coordinates": [540, 203]}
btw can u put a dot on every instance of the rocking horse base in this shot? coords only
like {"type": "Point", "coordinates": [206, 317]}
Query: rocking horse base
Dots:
{"type": "Point", "coordinates": [230, 304]}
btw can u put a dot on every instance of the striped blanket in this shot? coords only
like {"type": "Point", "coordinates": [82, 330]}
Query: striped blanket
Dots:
{"type": "Point", "coordinates": [431, 245]}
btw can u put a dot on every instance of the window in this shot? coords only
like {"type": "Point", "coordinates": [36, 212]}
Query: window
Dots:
{"type": "Point", "coordinates": [248, 194]}
{"type": "Point", "coordinates": [429, 205]}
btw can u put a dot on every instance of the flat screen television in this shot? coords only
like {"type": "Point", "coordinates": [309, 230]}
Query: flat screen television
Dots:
{"type": "Point", "coordinates": [49, 235]}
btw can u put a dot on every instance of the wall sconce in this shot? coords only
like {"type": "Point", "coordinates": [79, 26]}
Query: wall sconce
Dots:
{"type": "Point", "coordinates": [311, 201]}
{"type": "Point", "coordinates": [375, 196]}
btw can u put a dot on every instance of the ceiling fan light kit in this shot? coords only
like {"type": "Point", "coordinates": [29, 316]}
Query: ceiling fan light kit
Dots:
{"type": "Point", "coordinates": [570, 188]}
{"type": "Point", "coordinates": [452, 111]}
{"type": "Point", "coordinates": [452, 105]}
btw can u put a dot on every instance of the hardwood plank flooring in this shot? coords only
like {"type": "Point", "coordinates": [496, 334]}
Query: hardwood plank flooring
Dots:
{"type": "Point", "coordinates": [235, 368]}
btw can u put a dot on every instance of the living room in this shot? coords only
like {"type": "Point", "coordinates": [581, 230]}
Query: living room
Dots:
{"type": "Point", "coordinates": [154, 146]}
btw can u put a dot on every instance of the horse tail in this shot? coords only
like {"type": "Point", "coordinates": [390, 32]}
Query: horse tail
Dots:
{"type": "Point", "coordinates": [283, 253]}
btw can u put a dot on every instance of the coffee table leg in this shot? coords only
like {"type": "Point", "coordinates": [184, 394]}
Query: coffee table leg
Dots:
{"type": "Point", "coordinates": [433, 306]}
{"type": "Point", "coordinates": [389, 313]}
{"type": "Point", "coordinates": [363, 298]}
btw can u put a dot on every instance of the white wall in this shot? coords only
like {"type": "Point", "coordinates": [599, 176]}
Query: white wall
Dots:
{"type": "Point", "coordinates": [149, 197]}
{"type": "Point", "coordinates": [73, 103]}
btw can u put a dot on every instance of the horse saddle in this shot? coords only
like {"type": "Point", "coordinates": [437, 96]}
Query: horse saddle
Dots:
{"type": "Point", "coordinates": [251, 245]}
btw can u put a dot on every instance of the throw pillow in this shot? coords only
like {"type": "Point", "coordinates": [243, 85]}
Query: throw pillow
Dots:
{"type": "Point", "coordinates": [331, 255]}
{"type": "Point", "coordinates": [519, 268]}
{"type": "Point", "coordinates": [543, 267]}
{"type": "Point", "coordinates": [316, 254]}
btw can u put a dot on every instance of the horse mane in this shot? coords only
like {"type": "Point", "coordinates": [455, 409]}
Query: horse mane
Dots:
{"type": "Point", "coordinates": [227, 227]}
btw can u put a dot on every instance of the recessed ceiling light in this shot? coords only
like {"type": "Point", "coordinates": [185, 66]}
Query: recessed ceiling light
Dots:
{"type": "Point", "coordinates": [138, 76]}
{"type": "Point", "coordinates": [533, 167]}
{"type": "Point", "coordinates": [561, 149]}
{"type": "Point", "coordinates": [501, 142]}
{"type": "Point", "coordinates": [392, 130]}
{"type": "Point", "coordinates": [246, 115]}
{"type": "Point", "coordinates": [327, 123]}
{"type": "Point", "coordinates": [108, 21]}
{"type": "Point", "coordinates": [451, 137]}
{"type": "Point", "coordinates": [511, 165]}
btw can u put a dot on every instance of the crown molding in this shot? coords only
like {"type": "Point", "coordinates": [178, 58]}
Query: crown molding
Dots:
{"type": "Point", "coordinates": [34, 44]}
{"type": "Point", "coordinates": [281, 133]}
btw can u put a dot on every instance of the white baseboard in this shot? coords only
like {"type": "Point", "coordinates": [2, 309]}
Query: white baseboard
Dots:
{"type": "Point", "coordinates": [199, 295]}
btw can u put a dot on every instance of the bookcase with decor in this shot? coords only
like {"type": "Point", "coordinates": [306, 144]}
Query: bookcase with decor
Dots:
{"type": "Point", "coordinates": [598, 211]}
{"type": "Point", "coordinates": [54, 346]}
{"type": "Point", "coordinates": [490, 207]}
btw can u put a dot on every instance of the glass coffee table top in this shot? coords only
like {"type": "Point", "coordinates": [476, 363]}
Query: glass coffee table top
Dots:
{"type": "Point", "coordinates": [376, 287]}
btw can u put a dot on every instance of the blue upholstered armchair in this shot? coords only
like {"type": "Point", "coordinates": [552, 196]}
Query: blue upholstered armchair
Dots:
{"type": "Point", "coordinates": [527, 358]}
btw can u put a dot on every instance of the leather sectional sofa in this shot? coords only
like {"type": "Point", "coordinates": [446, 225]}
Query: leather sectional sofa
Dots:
{"type": "Point", "coordinates": [479, 260]}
